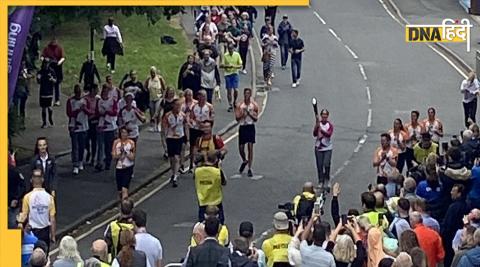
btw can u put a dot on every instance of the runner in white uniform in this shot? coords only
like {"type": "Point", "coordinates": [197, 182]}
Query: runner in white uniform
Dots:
{"type": "Point", "coordinates": [246, 113]}
{"type": "Point", "coordinates": [201, 112]}
{"type": "Point", "coordinates": [433, 126]}
{"type": "Point", "coordinates": [174, 123]}
{"type": "Point", "coordinates": [414, 130]}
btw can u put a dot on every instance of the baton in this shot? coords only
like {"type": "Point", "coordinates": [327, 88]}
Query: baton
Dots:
{"type": "Point", "coordinates": [315, 108]}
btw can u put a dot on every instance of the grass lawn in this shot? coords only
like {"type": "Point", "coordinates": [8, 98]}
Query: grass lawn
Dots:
{"type": "Point", "coordinates": [142, 49]}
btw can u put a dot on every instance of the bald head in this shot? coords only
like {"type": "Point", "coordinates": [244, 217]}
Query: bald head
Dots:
{"type": "Point", "coordinates": [403, 260]}
{"type": "Point", "coordinates": [38, 258]}
{"type": "Point", "coordinates": [99, 248]}
{"type": "Point", "coordinates": [379, 199]}
{"type": "Point", "coordinates": [308, 187]}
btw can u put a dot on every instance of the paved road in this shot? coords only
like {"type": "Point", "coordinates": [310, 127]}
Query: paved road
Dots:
{"type": "Point", "coordinates": [400, 77]}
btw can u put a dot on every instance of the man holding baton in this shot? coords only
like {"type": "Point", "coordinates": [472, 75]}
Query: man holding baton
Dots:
{"type": "Point", "coordinates": [323, 132]}
{"type": "Point", "coordinates": [246, 113]}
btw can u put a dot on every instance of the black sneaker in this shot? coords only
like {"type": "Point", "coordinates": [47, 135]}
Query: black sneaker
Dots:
{"type": "Point", "coordinates": [230, 109]}
{"type": "Point", "coordinates": [173, 180]}
{"type": "Point", "coordinates": [250, 174]}
{"type": "Point", "coordinates": [165, 156]}
{"type": "Point", "coordinates": [242, 167]}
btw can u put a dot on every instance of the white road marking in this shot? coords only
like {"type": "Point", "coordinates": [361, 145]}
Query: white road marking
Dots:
{"type": "Point", "coordinates": [236, 176]}
{"type": "Point", "coordinates": [184, 225]}
{"type": "Point", "coordinates": [449, 61]}
{"type": "Point", "coordinates": [256, 177]}
{"type": "Point", "coordinates": [319, 18]}
{"type": "Point", "coordinates": [389, 13]}
{"type": "Point", "coordinates": [334, 34]}
{"type": "Point", "coordinates": [351, 52]}
{"type": "Point", "coordinates": [369, 96]}
{"type": "Point", "coordinates": [362, 71]}
{"type": "Point", "coordinates": [369, 119]}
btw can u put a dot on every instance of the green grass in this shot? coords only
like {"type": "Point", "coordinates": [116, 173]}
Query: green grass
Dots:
{"type": "Point", "coordinates": [142, 49]}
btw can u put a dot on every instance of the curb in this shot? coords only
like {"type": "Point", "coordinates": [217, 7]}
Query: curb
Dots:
{"type": "Point", "coordinates": [150, 178]}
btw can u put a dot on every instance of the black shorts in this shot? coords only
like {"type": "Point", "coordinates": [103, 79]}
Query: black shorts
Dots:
{"type": "Point", "coordinates": [174, 146]}
{"type": "Point", "coordinates": [246, 134]}
{"type": "Point", "coordinates": [123, 177]}
{"type": "Point", "coordinates": [194, 135]}
{"type": "Point", "coordinates": [46, 102]}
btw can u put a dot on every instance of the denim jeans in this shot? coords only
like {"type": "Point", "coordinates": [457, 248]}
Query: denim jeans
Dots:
{"type": "Point", "coordinates": [284, 54]}
{"type": "Point", "coordinates": [78, 140]}
{"type": "Point", "coordinates": [296, 68]}
{"type": "Point", "coordinates": [100, 147]}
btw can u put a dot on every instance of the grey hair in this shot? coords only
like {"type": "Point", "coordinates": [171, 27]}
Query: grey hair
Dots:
{"type": "Point", "coordinates": [416, 217]}
{"type": "Point", "coordinates": [68, 249]}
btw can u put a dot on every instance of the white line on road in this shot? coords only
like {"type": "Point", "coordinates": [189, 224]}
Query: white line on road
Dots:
{"type": "Point", "coordinates": [334, 34]}
{"type": "Point", "coordinates": [319, 18]}
{"type": "Point", "coordinates": [351, 52]}
{"type": "Point", "coordinates": [448, 60]}
{"type": "Point", "coordinates": [369, 119]}
{"type": "Point", "coordinates": [362, 71]}
{"type": "Point", "coordinates": [369, 96]}
{"type": "Point", "coordinates": [389, 13]}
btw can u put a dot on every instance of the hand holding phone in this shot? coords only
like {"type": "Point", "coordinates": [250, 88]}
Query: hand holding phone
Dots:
{"type": "Point", "coordinates": [344, 219]}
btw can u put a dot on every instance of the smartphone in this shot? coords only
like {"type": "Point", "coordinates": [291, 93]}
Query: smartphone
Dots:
{"type": "Point", "coordinates": [344, 219]}
{"type": "Point", "coordinates": [316, 208]}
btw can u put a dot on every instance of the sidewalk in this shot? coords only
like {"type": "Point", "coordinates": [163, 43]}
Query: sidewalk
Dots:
{"type": "Point", "coordinates": [89, 193]}
{"type": "Point", "coordinates": [433, 12]}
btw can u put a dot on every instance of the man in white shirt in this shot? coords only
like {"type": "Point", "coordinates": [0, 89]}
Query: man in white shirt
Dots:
{"type": "Point", "coordinates": [470, 90]}
{"type": "Point", "coordinates": [39, 209]}
{"type": "Point", "coordinates": [113, 43]}
{"type": "Point", "coordinates": [145, 242]}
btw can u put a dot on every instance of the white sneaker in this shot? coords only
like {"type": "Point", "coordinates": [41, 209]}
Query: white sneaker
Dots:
{"type": "Point", "coordinates": [113, 71]}
{"type": "Point", "coordinates": [294, 85]}
{"type": "Point", "coordinates": [298, 81]}
{"type": "Point", "coordinates": [109, 66]}
{"type": "Point", "coordinates": [80, 166]}
{"type": "Point", "coordinates": [273, 75]}
{"type": "Point", "coordinates": [244, 71]}
{"type": "Point", "coordinates": [75, 170]}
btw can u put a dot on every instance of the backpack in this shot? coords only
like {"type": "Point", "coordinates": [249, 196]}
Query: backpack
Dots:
{"type": "Point", "coordinates": [305, 207]}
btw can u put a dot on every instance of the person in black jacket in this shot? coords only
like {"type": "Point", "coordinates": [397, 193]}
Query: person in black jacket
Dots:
{"type": "Point", "coordinates": [189, 76]}
{"type": "Point", "coordinates": [209, 253]}
{"type": "Point", "coordinates": [44, 161]}
{"type": "Point", "coordinates": [271, 11]}
{"type": "Point", "coordinates": [88, 73]}
{"type": "Point", "coordinates": [284, 33]}
{"type": "Point", "coordinates": [242, 255]}
{"type": "Point", "coordinates": [453, 220]}
{"type": "Point", "coordinates": [16, 190]}
{"type": "Point", "coordinates": [47, 79]}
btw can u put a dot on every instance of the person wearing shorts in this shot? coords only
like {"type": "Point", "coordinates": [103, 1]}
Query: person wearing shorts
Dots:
{"type": "Point", "coordinates": [201, 112]}
{"type": "Point", "coordinates": [246, 114]}
{"type": "Point", "coordinates": [232, 63]}
{"type": "Point", "coordinates": [174, 123]}
{"type": "Point", "coordinates": [123, 151]}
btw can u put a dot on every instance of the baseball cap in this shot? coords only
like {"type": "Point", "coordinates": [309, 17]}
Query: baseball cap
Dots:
{"type": "Point", "coordinates": [129, 94]}
{"type": "Point", "coordinates": [280, 221]}
{"type": "Point", "coordinates": [246, 229]}
{"type": "Point", "coordinates": [285, 16]}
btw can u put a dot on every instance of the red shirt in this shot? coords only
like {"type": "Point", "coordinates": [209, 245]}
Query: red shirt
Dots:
{"type": "Point", "coordinates": [431, 243]}
{"type": "Point", "coordinates": [54, 52]}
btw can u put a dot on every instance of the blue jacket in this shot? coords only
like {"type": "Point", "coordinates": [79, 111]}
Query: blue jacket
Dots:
{"type": "Point", "coordinates": [475, 184]}
{"type": "Point", "coordinates": [471, 258]}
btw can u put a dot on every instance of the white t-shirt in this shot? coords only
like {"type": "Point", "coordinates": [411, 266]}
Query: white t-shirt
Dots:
{"type": "Point", "coordinates": [176, 123]}
{"type": "Point", "coordinates": [112, 31]}
{"type": "Point", "coordinates": [470, 90]}
{"type": "Point", "coordinates": [130, 120]}
{"type": "Point", "coordinates": [151, 246]}
{"type": "Point", "coordinates": [201, 114]}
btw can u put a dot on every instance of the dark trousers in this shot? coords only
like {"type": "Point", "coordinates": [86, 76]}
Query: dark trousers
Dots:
{"type": "Point", "coordinates": [20, 103]}
{"type": "Point", "coordinates": [203, 209]}
{"type": "Point", "coordinates": [243, 51]}
{"type": "Point", "coordinates": [78, 147]}
{"type": "Point", "coordinates": [323, 160]}
{"type": "Point", "coordinates": [284, 54]}
{"type": "Point", "coordinates": [91, 143]}
{"type": "Point", "coordinates": [296, 68]}
{"type": "Point", "coordinates": [111, 60]}
{"type": "Point", "coordinates": [108, 138]}
{"type": "Point", "coordinates": [209, 94]}
{"type": "Point", "coordinates": [469, 111]}
{"type": "Point", "coordinates": [44, 235]}
{"type": "Point", "coordinates": [409, 158]}
{"type": "Point", "coordinates": [402, 158]}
